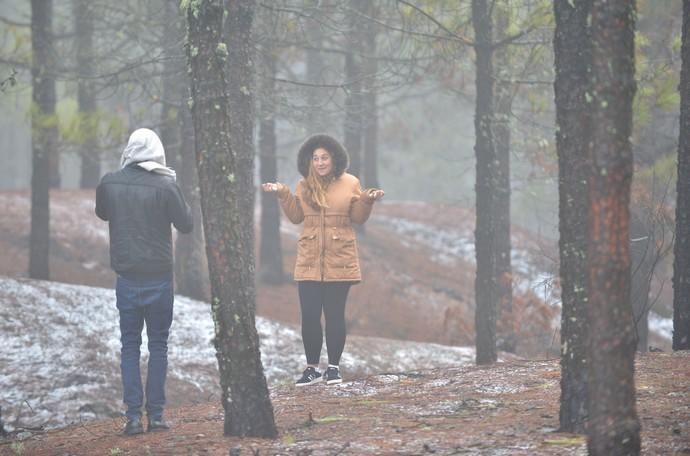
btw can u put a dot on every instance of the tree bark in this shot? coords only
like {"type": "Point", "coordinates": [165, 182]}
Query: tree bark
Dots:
{"type": "Point", "coordinates": [316, 96]}
{"type": "Point", "coordinates": [505, 339]}
{"type": "Point", "coordinates": [485, 235]}
{"type": "Point", "coordinates": [172, 81]}
{"type": "Point", "coordinates": [370, 118]}
{"type": "Point", "coordinates": [572, 50]}
{"type": "Point", "coordinates": [271, 251]}
{"type": "Point", "coordinates": [43, 135]}
{"type": "Point", "coordinates": [613, 427]}
{"type": "Point", "coordinates": [354, 102]}
{"type": "Point", "coordinates": [223, 120]}
{"type": "Point", "coordinates": [191, 266]}
{"type": "Point", "coordinates": [681, 249]}
{"type": "Point", "coordinates": [177, 135]}
{"type": "Point", "coordinates": [643, 258]}
{"type": "Point", "coordinates": [86, 95]}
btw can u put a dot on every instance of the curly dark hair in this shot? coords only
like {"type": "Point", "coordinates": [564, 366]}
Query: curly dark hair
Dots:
{"type": "Point", "coordinates": [337, 151]}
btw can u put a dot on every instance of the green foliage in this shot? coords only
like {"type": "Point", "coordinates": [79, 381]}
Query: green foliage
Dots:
{"type": "Point", "coordinates": [664, 169]}
{"type": "Point", "coordinates": [17, 448]}
{"type": "Point", "coordinates": [222, 51]}
{"type": "Point", "coordinates": [331, 419]}
{"type": "Point", "coordinates": [41, 120]}
{"type": "Point", "coordinates": [657, 82]}
{"type": "Point", "coordinates": [566, 441]}
{"type": "Point", "coordinates": [117, 452]}
{"type": "Point", "coordinates": [193, 5]}
{"type": "Point", "coordinates": [81, 128]}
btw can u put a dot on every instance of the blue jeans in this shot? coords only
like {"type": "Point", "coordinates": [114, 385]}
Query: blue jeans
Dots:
{"type": "Point", "coordinates": [139, 302]}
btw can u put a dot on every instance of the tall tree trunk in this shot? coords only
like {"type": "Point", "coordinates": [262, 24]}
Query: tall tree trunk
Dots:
{"type": "Point", "coordinates": [177, 134]}
{"type": "Point", "coordinates": [173, 81]}
{"type": "Point", "coordinates": [191, 266]}
{"type": "Point", "coordinates": [485, 235]}
{"type": "Point", "coordinates": [43, 135]}
{"type": "Point", "coordinates": [370, 118]}
{"type": "Point", "coordinates": [613, 427]}
{"type": "Point", "coordinates": [572, 50]}
{"type": "Point", "coordinates": [681, 249]}
{"type": "Point", "coordinates": [271, 251]}
{"type": "Point", "coordinates": [86, 95]}
{"type": "Point", "coordinates": [505, 339]}
{"type": "Point", "coordinates": [316, 96]}
{"type": "Point", "coordinates": [353, 75]}
{"type": "Point", "coordinates": [643, 259]}
{"type": "Point", "coordinates": [225, 164]}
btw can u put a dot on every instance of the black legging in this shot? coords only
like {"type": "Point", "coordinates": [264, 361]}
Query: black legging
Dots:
{"type": "Point", "coordinates": [329, 297]}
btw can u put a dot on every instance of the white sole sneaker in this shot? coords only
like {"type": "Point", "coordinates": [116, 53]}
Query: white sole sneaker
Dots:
{"type": "Point", "coordinates": [333, 382]}
{"type": "Point", "coordinates": [313, 382]}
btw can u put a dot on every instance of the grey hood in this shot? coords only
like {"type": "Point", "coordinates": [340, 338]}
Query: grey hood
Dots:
{"type": "Point", "coordinates": [146, 150]}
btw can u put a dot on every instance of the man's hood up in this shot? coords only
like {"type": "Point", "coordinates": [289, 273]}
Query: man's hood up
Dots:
{"type": "Point", "coordinates": [146, 150]}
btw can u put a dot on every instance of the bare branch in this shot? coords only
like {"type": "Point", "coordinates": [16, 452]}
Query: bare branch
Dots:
{"type": "Point", "coordinates": [452, 34]}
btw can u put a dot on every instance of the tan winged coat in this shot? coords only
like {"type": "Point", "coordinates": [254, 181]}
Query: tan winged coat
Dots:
{"type": "Point", "coordinates": [327, 247]}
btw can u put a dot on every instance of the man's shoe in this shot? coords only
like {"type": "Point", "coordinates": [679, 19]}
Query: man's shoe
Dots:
{"type": "Point", "coordinates": [333, 375]}
{"type": "Point", "coordinates": [309, 377]}
{"type": "Point", "coordinates": [133, 427]}
{"type": "Point", "coordinates": [158, 425]}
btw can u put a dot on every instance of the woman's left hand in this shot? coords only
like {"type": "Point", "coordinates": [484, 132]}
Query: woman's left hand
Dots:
{"type": "Point", "coordinates": [375, 193]}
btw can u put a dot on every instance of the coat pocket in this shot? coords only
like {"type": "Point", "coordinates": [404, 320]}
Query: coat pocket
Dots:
{"type": "Point", "coordinates": [342, 250]}
{"type": "Point", "coordinates": [307, 251]}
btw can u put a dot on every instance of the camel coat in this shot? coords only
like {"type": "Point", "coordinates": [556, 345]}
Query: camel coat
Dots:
{"type": "Point", "coordinates": [327, 247]}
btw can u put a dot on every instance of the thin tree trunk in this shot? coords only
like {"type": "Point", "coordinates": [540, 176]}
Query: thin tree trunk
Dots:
{"type": "Point", "coordinates": [353, 75]}
{"type": "Point", "coordinates": [642, 258]}
{"type": "Point", "coordinates": [173, 82]}
{"type": "Point", "coordinates": [316, 96]}
{"type": "Point", "coordinates": [86, 95]}
{"type": "Point", "coordinates": [613, 427]}
{"type": "Point", "coordinates": [371, 124]}
{"type": "Point", "coordinates": [681, 249]}
{"type": "Point", "coordinates": [177, 134]}
{"type": "Point", "coordinates": [225, 164]}
{"type": "Point", "coordinates": [485, 235]}
{"type": "Point", "coordinates": [572, 49]}
{"type": "Point", "coordinates": [43, 135]}
{"type": "Point", "coordinates": [271, 251]}
{"type": "Point", "coordinates": [506, 339]}
{"type": "Point", "coordinates": [191, 266]}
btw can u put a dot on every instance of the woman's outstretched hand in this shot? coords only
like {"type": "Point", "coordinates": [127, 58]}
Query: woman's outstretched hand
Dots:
{"type": "Point", "coordinates": [375, 193]}
{"type": "Point", "coordinates": [270, 187]}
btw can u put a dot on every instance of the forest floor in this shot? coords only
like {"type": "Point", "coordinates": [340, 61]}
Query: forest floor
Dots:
{"type": "Point", "coordinates": [506, 409]}
{"type": "Point", "coordinates": [416, 262]}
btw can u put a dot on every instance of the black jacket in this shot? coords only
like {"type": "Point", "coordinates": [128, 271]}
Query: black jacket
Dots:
{"type": "Point", "coordinates": [140, 206]}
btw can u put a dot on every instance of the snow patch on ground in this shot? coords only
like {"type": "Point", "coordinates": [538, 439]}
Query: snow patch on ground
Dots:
{"type": "Point", "coordinates": [660, 325]}
{"type": "Point", "coordinates": [60, 361]}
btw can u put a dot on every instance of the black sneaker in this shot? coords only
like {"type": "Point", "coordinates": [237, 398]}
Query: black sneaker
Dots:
{"type": "Point", "coordinates": [309, 377]}
{"type": "Point", "coordinates": [133, 427]}
{"type": "Point", "coordinates": [157, 425]}
{"type": "Point", "coordinates": [333, 375]}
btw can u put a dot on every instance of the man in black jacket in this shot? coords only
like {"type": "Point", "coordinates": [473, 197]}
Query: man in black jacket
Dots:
{"type": "Point", "coordinates": [141, 201]}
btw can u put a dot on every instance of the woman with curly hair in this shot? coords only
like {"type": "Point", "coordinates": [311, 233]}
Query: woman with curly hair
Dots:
{"type": "Point", "coordinates": [328, 200]}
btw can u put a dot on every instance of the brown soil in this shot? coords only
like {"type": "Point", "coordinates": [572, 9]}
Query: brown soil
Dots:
{"type": "Point", "coordinates": [505, 409]}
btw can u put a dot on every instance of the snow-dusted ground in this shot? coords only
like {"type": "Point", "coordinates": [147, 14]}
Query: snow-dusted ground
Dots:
{"type": "Point", "coordinates": [60, 356]}
{"type": "Point", "coordinates": [449, 246]}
